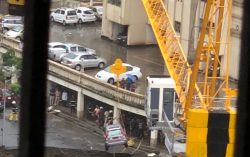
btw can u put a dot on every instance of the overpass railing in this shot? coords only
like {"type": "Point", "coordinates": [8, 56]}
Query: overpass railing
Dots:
{"type": "Point", "coordinates": [83, 80]}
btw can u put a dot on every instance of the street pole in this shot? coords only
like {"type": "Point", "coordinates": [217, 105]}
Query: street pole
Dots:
{"type": "Point", "coordinates": [4, 106]}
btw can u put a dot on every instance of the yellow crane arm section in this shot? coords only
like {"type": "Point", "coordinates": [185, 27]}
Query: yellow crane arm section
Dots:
{"type": "Point", "coordinates": [170, 47]}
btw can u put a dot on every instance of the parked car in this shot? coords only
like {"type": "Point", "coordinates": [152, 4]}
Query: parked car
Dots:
{"type": "Point", "coordinates": [122, 38]}
{"type": "Point", "coordinates": [82, 60]}
{"type": "Point", "coordinates": [114, 135]}
{"type": "Point", "coordinates": [85, 15]}
{"type": "Point", "coordinates": [64, 16]}
{"type": "Point", "coordinates": [58, 50]}
{"type": "Point", "coordinates": [9, 22]}
{"type": "Point", "coordinates": [98, 11]}
{"type": "Point", "coordinates": [72, 48]}
{"type": "Point", "coordinates": [10, 97]}
{"type": "Point", "coordinates": [107, 76]}
{"type": "Point", "coordinates": [15, 33]}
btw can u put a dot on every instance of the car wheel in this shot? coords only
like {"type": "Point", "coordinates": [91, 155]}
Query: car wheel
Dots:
{"type": "Point", "coordinates": [64, 23]}
{"type": "Point", "coordinates": [80, 21]}
{"type": "Point", "coordinates": [106, 147]}
{"type": "Point", "coordinates": [18, 38]}
{"type": "Point", "coordinates": [52, 19]}
{"type": "Point", "coordinates": [101, 65]}
{"type": "Point", "coordinates": [78, 67]}
{"type": "Point", "coordinates": [136, 77]}
{"type": "Point", "coordinates": [111, 81]}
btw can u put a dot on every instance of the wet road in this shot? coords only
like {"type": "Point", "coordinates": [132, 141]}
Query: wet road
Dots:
{"type": "Point", "coordinates": [148, 58]}
{"type": "Point", "coordinates": [61, 133]}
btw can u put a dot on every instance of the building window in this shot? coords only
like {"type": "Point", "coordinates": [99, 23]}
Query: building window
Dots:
{"type": "Point", "coordinates": [115, 2]}
{"type": "Point", "coordinates": [177, 26]}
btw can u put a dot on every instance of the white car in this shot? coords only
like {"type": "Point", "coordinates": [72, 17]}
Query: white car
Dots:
{"type": "Point", "coordinates": [10, 22]}
{"type": "Point", "coordinates": [15, 33]}
{"type": "Point", "coordinates": [107, 76]}
{"type": "Point", "coordinates": [58, 50]}
{"type": "Point", "coordinates": [82, 60]}
{"type": "Point", "coordinates": [64, 16]}
{"type": "Point", "coordinates": [72, 48]}
{"type": "Point", "coordinates": [98, 11]}
{"type": "Point", "coordinates": [85, 15]}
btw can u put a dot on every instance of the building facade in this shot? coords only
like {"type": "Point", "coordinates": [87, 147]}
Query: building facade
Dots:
{"type": "Point", "coordinates": [128, 17]}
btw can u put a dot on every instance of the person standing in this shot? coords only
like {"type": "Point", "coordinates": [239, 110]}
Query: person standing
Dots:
{"type": "Point", "coordinates": [52, 96]}
{"type": "Point", "coordinates": [101, 117]}
{"type": "Point", "coordinates": [64, 97]}
{"type": "Point", "coordinates": [106, 115]}
{"type": "Point", "coordinates": [123, 83]}
{"type": "Point", "coordinates": [140, 129]}
{"type": "Point", "coordinates": [57, 96]}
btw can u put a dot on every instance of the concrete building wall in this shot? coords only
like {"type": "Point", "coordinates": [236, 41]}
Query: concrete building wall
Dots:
{"type": "Point", "coordinates": [106, 24]}
{"type": "Point", "coordinates": [139, 32]}
{"type": "Point", "coordinates": [130, 14]}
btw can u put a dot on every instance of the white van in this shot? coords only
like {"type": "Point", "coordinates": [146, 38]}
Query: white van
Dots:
{"type": "Point", "coordinates": [10, 22]}
{"type": "Point", "coordinates": [85, 15]}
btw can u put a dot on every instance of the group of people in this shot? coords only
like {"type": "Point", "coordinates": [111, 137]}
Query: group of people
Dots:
{"type": "Point", "coordinates": [128, 84]}
{"type": "Point", "coordinates": [101, 117]}
{"type": "Point", "coordinates": [59, 96]}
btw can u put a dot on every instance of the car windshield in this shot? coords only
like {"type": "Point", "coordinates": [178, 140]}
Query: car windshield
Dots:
{"type": "Point", "coordinates": [72, 12]}
{"type": "Point", "coordinates": [71, 56]}
{"type": "Point", "coordinates": [107, 69]}
{"type": "Point", "coordinates": [114, 133]}
{"type": "Point", "coordinates": [88, 12]}
{"type": "Point", "coordinates": [17, 29]}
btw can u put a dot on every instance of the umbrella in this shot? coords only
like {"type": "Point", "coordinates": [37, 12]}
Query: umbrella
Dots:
{"type": "Point", "coordinates": [131, 77]}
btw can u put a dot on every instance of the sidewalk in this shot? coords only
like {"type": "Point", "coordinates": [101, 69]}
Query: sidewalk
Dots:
{"type": "Point", "coordinates": [93, 127]}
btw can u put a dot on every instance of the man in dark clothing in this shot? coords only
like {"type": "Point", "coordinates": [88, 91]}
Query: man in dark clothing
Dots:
{"type": "Point", "coordinates": [52, 96]}
{"type": "Point", "coordinates": [101, 117]}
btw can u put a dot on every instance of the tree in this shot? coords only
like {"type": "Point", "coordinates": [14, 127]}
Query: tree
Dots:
{"type": "Point", "coordinates": [9, 59]}
{"type": "Point", "coordinates": [15, 88]}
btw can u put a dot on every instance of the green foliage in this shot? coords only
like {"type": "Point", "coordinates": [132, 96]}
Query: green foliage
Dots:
{"type": "Point", "coordinates": [9, 59]}
{"type": "Point", "coordinates": [15, 88]}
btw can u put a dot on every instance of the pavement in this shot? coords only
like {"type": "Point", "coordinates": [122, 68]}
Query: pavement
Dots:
{"type": "Point", "coordinates": [91, 126]}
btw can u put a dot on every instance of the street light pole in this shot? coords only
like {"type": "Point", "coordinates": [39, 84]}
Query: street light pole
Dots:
{"type": "Point", "coordinates": [4, 106]}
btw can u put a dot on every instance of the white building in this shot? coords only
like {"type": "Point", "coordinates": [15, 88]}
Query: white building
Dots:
{"type": "Point", "coordinates": [129, 17]}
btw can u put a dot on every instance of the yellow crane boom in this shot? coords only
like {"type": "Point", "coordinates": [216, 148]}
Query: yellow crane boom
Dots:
{"type": "Point", "coordinates": [206, 88]}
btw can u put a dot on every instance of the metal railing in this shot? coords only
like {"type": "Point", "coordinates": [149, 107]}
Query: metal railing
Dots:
{"type": "Point", "coordinates": [83, 80]}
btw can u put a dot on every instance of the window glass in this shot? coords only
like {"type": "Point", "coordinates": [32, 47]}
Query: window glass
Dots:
{"type": "Point", "coordinates": [129, 68]}
{"type": "Point", "coordinates": [81, 49]}
{"type": "Point", "coordinates": [60, 46]}
{"type": "Point", "coordinates": [79, 11]}
{"type": "Point", "coordinates": [88, 12]}
{"type": "Point", "coordinates": [71, 56]}
{"type": "Point", "coordinates": [71, 12]}
{"type": "Point", "coordinates": [84, 57]}
{"type": "Point", "coordinates": [57, 11]}
{"type": "Point", "coordinates": [114, 133]}
{"type": "Point", "coordinates": [91, 57]}
{"type": "Point", "coordinates": [62, 12]}
{"type": "Point", "coordinates": [73, 48]}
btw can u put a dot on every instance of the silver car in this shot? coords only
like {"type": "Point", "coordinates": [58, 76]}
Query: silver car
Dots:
{"type": "Point", "coordinates": [82, 60]}
{"type": "Point", "coordinates": [72, 48]}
